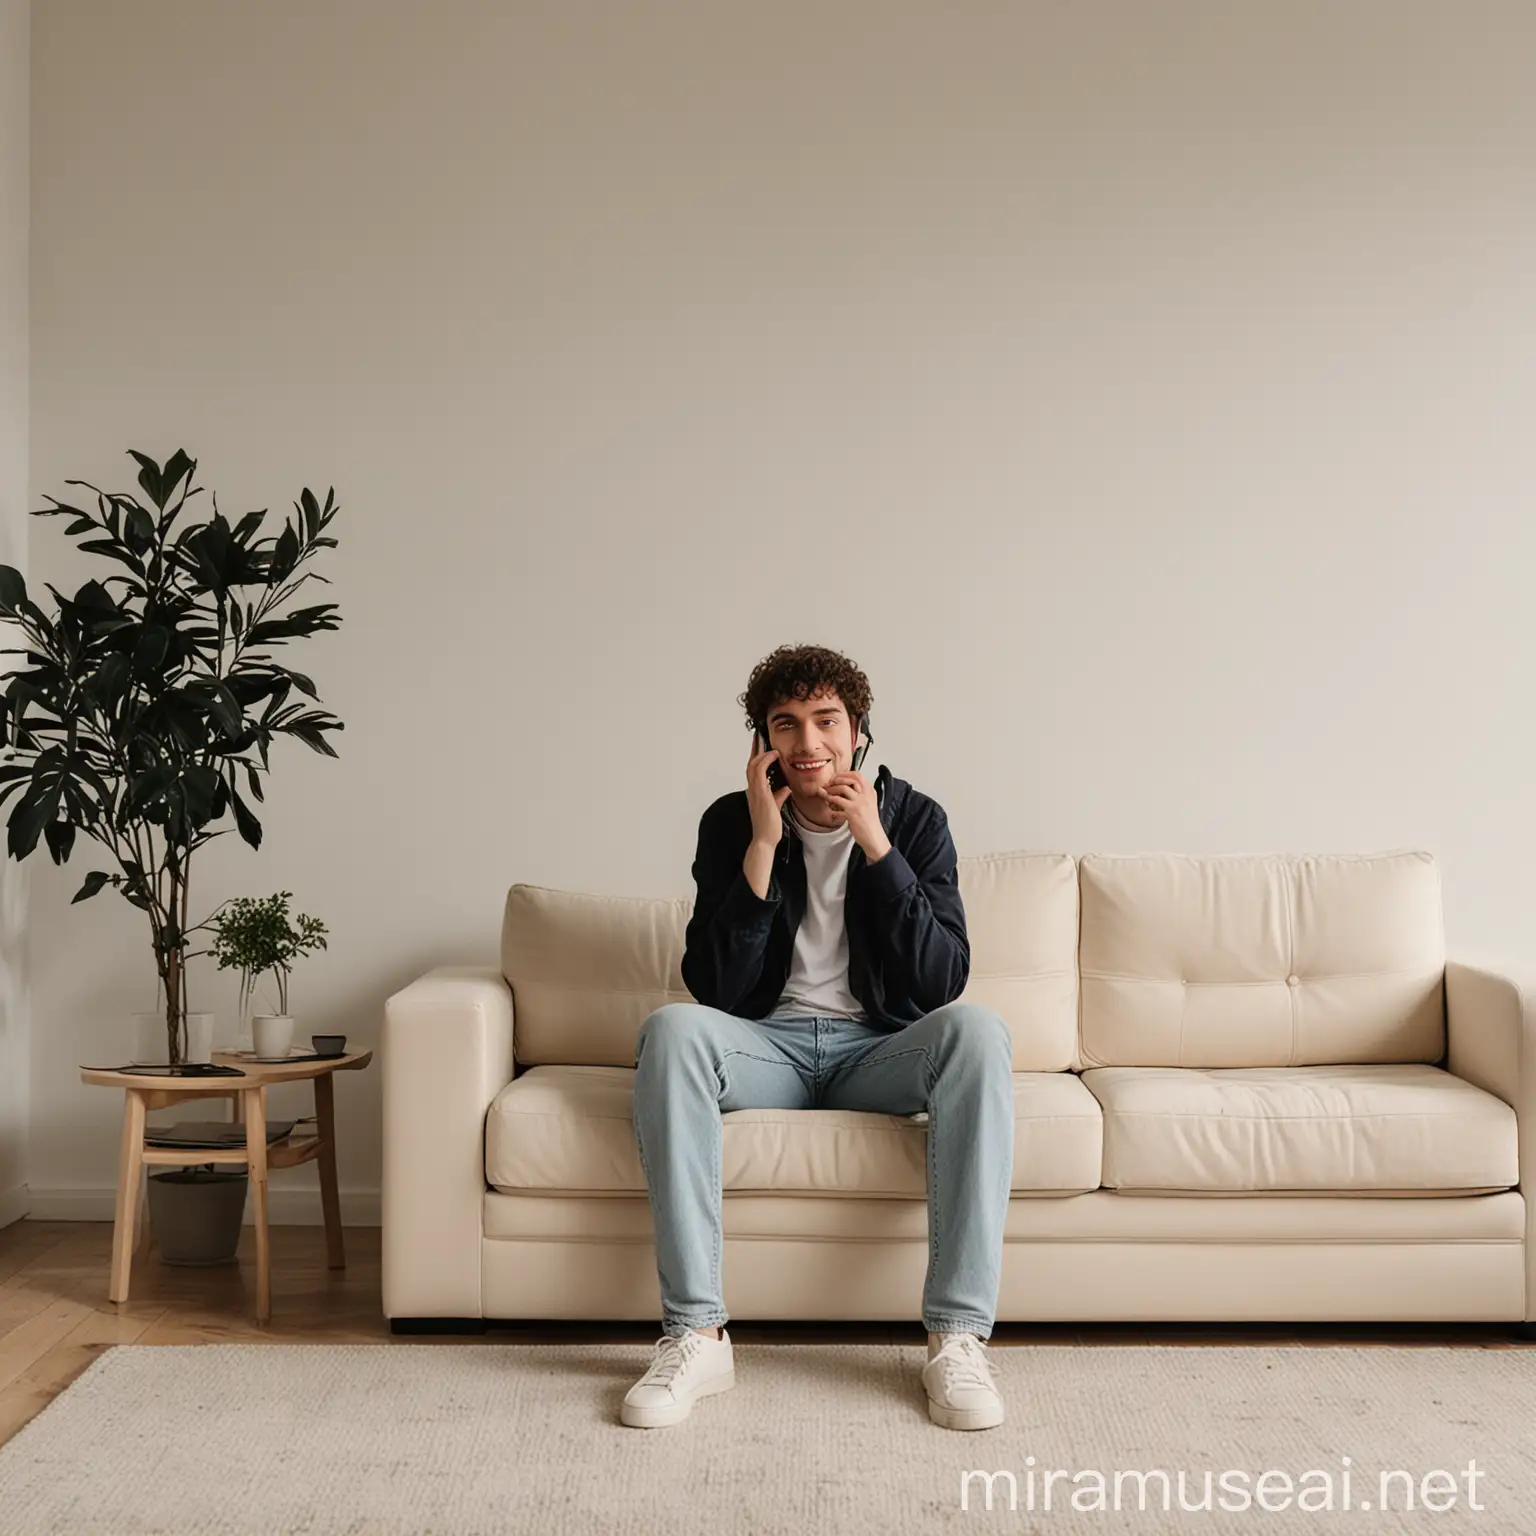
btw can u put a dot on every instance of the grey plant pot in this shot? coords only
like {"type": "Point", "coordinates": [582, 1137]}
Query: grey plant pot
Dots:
{"type": "Point", "coordinates": [195, 1214]}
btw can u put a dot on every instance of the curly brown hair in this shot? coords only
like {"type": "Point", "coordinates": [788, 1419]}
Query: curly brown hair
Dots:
{"type": "Point", "coordinates": [799, 672]}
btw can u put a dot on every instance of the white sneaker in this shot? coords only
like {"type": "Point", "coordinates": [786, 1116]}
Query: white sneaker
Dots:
{"type": "Point", "coordinates": [683, 1368]}
{"type": "Point", "coordinates": [961, 1385]}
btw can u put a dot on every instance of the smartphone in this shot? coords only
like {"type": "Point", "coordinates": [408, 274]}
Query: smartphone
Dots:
{"type": "Point", "coordinates": [863, 746]}
{"type": "Point", "coordinates": [776, 779]}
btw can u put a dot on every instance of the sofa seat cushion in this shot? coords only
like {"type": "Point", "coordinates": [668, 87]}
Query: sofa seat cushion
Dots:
{"type": "Point", "coordinates": [1375, 1129]}
{"type": "Point", "coordinates": [570, 1130]}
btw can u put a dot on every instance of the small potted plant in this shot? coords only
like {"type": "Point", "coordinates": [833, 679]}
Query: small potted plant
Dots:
{"type": "Point", "coordinates": [256, 937]}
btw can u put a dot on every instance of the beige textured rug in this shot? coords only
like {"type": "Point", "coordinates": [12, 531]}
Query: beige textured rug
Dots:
{"type": "Point", "coordinates": [448, 1438]}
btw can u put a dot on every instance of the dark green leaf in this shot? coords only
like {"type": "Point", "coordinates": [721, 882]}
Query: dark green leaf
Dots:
{"type": "Point", "coordinates": [200, 786]}
{"type": "Point", "coordinates": [296, 625]}
{"type": "Point", "coordinates": [110, 680]}
{"type": "Point", "coordinates": [147, 787]}
{"type": "Point", "coordinates": [251, 687]}
{"type": "Point", "coordinates": [33, 812]}
{"type": "Point", "coordinates": [301, 682]}
{"type": "Point", "coordinates": [13, 587]}
{"type": "Point", "coordinates": [61, 838]}
{"type": "Point", "coordinates": [248, 525]}
{"type": "Point", "coordinates": [93, 883]}
{"type": "Point", "coordinates": [114, 551]}
{"type": "Point", "coordinates": [198, 547]}
{"type": "Point", "coordinates": [150, 651]}
{"type": "Point", "coordinates": [287, 553]}
{"type": "Point", "coordinates": [183, 716]}
{"type": "Point", "coordinates": [177, 466]}
{"type": "Point", "coordinates": [61, 508]}
{"type": "Point", "coordinates": [250, 828]}
{"type": "Point", "coordinates": [311, 737]}
{"type": "Point", "coordinates": [94, 596]}
{"type": "Point", "coordinates": [154, 483]}
{"type": "Point", "coordinates": [311, 512]}
{"type": "Point", "coordinates": [141, 523]}
{"type": "Point", "coordinates": [226, 707]}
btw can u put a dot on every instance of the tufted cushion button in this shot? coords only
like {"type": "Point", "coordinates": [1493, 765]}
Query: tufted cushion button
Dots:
{"type": "Point", "coordinates": [1293, 981]}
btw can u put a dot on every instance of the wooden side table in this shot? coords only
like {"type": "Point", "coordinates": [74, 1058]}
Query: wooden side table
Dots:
{"type": "Point", "coordinates": [249, 1093]}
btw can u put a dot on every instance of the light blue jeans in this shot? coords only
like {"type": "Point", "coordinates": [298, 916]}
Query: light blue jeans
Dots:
{"type": "Point", "coordinates": [693, 1063]}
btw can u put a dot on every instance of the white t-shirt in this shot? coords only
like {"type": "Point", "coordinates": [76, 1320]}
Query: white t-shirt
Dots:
{"type": "Point", "coordinates": [818, 970]}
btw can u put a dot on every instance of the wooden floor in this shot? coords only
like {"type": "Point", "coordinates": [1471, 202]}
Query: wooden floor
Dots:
{"type": "Point", "coordinates": [55, 1318]}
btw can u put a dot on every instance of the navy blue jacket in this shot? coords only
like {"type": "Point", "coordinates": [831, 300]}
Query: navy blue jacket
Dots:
{"type": "Point", "coordinates": [908, 951]}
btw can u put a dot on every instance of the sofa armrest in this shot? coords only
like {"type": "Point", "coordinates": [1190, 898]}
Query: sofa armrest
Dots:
{"type": "Point", "coordinates": [1490, 1021]}
{"type": "Point", "coordinates": [447, 1053]}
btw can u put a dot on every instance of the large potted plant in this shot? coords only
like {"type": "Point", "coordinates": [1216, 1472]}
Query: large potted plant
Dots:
{"type": "Point", "coordinates": [151, 694]}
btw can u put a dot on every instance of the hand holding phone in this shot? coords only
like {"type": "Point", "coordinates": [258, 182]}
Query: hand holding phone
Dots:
{"type": "Point", "coordinates": [767, 790]}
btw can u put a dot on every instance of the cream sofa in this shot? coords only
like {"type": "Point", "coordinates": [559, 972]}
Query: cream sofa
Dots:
{"type": "Point", "coordinates": [1246, 1087]}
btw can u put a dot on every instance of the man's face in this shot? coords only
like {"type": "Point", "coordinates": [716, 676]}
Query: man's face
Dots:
{"type": "Point", "coordinates": [814, 731]}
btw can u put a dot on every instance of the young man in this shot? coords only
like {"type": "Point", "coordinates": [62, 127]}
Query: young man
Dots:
{"type": "Point", "coordinates": [826, 950]}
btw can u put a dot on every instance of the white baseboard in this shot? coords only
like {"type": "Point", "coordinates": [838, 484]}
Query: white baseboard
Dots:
{"type": "Point", "coordinates": [285, 1207]}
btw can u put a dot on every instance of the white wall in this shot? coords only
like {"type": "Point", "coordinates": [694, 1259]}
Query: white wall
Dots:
{"type": "Point", "coordinates": [1141, 394]}
{"type": "Point", "coordinates": [15, 156]}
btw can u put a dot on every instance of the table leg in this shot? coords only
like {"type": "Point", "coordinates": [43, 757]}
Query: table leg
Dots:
{"type": "Point", "coordinates": [141, 1248]}
{"type": "Point", "coordinates": [330, 1199]}
{"type": "Point", "coordinates": [130, 1165]}
{"type": "Point", "coordinates": [255, 1100]}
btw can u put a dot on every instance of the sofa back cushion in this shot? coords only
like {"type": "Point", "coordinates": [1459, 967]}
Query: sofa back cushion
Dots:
{"type": "Point", "coordinates": [585, 971]}
{"type": "Point", "coordinates": [1256, 960]}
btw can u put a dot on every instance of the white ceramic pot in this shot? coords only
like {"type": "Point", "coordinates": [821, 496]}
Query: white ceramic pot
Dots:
{"type": "Point", "coordinates": [271, 1034]}
{"type": "Point", "coordinates": [151, 1045]}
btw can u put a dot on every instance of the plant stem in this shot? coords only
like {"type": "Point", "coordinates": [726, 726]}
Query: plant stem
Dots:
{"type": "Point", "coordinates": [186, 892]}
